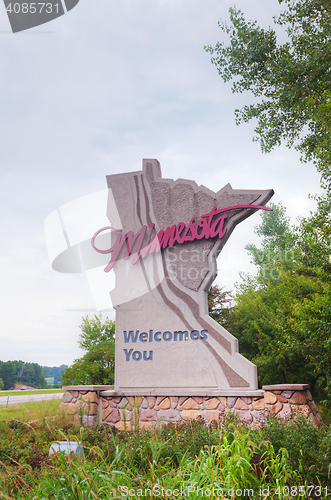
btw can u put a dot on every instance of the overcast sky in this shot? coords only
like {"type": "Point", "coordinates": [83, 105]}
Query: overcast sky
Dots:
{"type": "Point", "coordinates": [91, 94]}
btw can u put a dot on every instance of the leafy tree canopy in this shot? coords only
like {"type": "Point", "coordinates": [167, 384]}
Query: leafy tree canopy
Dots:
{"type": "Point", "coordinates": [292, 78]}
{"type": "Point", "coordinates": [282, 316]}
{"type": "Point", "coordinates": [8, 374]}
{"type": "Point", "coordinates": [13, 372]}
{"type": "Point", "coordinates": [97, 366]}
{"type": "Point", "coordinates": [55, 372]}
{"type": "Point", "coordinates": [30, 374]}
{"type": "Point", "coordinates": [277, 248]}
{"type": "Point", "coordinates": [218, 303]}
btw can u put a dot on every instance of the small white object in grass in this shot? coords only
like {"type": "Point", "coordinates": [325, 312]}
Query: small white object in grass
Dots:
{"type": "Point", "coordinates": [67, 447]}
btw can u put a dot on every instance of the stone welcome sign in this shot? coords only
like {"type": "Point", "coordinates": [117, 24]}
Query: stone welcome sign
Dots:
{"type": "Point", "coordinates": [162, 242]}
{"type": "Point", "coordinates": [173, 362]}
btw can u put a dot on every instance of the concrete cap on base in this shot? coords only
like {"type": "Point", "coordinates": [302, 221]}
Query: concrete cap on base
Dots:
{"type": "Point", "coordinates": [286, 387]}
{"type": "Point", "coordinates": [88, 388]}
{"type": "Point", "coordinates": [184, 393]}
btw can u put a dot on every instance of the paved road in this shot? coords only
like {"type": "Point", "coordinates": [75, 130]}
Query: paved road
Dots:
{"type": "Point", "coordinates": [29, 398]}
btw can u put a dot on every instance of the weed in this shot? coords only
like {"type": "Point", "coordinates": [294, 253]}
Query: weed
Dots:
{"type": "Point", "coordinates": [226, 456]}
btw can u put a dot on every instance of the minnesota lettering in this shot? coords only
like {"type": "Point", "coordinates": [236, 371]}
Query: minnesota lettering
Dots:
{"type": "Point", "coordinates": [206, 227]}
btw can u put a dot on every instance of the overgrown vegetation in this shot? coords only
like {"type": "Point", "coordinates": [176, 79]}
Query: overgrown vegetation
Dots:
{"type": "Point", "coordinates": [282, 315]}
{"type": "Point", "coordinates": [191, 461]}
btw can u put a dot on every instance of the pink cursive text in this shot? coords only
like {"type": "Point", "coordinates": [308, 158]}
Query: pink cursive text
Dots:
{"type": "Point", "coordinates": [204, 228]}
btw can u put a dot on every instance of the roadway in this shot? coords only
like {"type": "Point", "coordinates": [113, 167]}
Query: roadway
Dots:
{"type": "Point", "coordinates": [28, 398]}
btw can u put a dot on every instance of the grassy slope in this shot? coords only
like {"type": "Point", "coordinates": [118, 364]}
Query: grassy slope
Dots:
{"type": "Point", "coordinates": [34, 392]}
{"type": "Point", "coordinates": [30, 411]}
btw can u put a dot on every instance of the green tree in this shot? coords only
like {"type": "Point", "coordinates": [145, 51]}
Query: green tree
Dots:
{"type": "Point", "coordinates": [8, 374]}
{"type": "Point", "coordinates": [282, 315]}
{"type": "Point", "coordinates": [55, 372]}
{"type": "Point", "coordinates": [277, 252]}
{"type": "Point", "coordinates": [30, 374]}
{"type": "Point", "coordinates": [292, 78]}
{"type": "Point", "coordinates": [263, 320]}
{"type": "Point", "coordinates": [97, 366]}
{"type": "Point", "coordinates": [1, 384]}
{"type": "Point", "coordinates": [218, 303]}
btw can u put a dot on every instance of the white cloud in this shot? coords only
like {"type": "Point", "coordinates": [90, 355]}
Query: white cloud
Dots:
{"type": "Point", "coordinates": [109, 84]}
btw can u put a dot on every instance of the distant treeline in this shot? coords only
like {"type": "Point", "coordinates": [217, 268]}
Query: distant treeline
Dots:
{"type": "Point", "coordinates": [31, 374]}
{"type": "Point", "coordinates": [55, 372]}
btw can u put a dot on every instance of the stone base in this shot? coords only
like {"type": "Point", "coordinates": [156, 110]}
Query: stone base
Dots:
{"type": "Point", "coordinates": [101, 404]}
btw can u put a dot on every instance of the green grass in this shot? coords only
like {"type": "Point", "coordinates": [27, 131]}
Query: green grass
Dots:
{"type": "Point", "coordinates": [29, 411]}
{"type": "Point", "coordinates": [34, 392]}
{"type": "Point", "coordinates": [224, 458]}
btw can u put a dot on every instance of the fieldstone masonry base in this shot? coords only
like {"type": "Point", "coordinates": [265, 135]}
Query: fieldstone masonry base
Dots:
{"type": "Point", "coordinates": [100, 404]}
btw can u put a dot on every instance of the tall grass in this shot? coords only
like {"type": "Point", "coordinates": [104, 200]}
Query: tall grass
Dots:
{"type": "Point", "coordinates": [30, 411]}
{"type": "Point", "coordinates": [186, 461]}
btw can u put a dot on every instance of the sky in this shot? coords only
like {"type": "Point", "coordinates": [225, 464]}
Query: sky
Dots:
{"type": "Point", "coordinates": [91, 94]}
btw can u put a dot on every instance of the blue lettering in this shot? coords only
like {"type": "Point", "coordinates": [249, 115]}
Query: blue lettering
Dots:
{"type": "Point", "coordinates": [143, 337]}
{"type": "Point", "coordinates": [130, 336]}
{"type": "Point", "coordinates": [157, 336]}
{"type": "Point", "coordinates": [167, 336]}
{"type": "Point", "coordinates": [134, 336]}
{"type": "Point", "coordinates": [137, 355]}
{"type": "Point", "coordinates": [127, 354]}
{"type": "Point", "coordinates": [150, 356]}
{"type": "Point", "coordinates": [194, 335]}
{"type": "Point", "coordinates": [181, 335]}
{"type": "Point", "coordinates": [203, 334]}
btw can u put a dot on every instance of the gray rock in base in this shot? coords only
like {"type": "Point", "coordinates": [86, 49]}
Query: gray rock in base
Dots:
{"type": "Point", "coordinates": [259, 417]}
{"type": "Point", "coordinates": [144, 404]}
{"type": "Point", "coordinates": [221, 408]}
{"type": "Point", "coordinates": [231, 401]}
{"type": "Point", "coordinates": [89, 420]}
{"type": "Point", "coordinates": [169, 415]}
{"type": "Point", "coordinates": [124, 404]}
{"type": "Point", "coordinates": [287, 394]}
{"type": "Point", "coordinates": [67, 397]}
{"type": "Point", "coordinates": [148, 415]}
